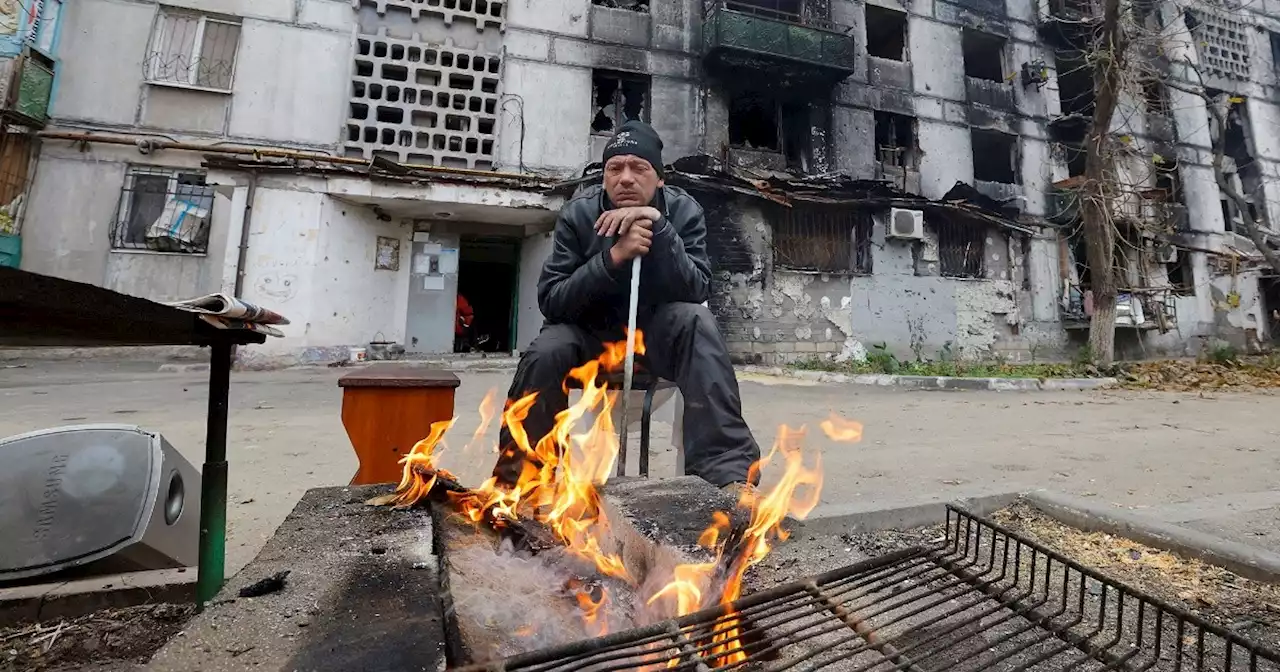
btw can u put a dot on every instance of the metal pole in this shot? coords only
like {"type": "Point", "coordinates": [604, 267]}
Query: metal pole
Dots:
{"type": "Point", "coordinates": [629, 365]}
{"type": "Point", "coordinates": [213, 481]}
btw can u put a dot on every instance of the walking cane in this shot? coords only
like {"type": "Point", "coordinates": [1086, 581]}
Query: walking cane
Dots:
{"type": "Point", "coordinates": [629, 364]}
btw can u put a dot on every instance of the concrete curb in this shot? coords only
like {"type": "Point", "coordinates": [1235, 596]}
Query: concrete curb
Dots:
{"type": "Point", "coordinates": [1247, 561]}
{"type": "Point", "coordinates": [72, 599]}
{"type": "Point", "coordinates": [835, 519]}
{"type": "Point", "coordinates": [939, 382]}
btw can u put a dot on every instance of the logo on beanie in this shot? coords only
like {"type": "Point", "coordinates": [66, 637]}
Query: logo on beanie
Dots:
{"type": "Point", "coordinates": [623, 139]}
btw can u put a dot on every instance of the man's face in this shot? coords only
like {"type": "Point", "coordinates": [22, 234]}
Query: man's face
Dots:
{"type": "Point", "coordinates": [630, 181]}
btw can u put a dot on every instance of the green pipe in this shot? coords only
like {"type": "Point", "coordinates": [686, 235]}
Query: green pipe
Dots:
{"type": "Point", "coordinates": [213, 481]}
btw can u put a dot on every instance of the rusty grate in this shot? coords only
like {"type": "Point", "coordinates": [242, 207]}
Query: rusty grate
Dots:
{"type": "Point", "coordinates": [982, 599]}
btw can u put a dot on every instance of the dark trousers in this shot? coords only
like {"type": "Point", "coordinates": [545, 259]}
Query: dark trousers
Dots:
{"type": "Point", "coordinates": [684, 345]}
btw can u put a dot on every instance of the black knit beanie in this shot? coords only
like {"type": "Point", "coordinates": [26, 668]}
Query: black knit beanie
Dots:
{"type": "Point", "coordinates": [636, 138]}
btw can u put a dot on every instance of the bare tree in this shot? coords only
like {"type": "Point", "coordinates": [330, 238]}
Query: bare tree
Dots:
{"type": "Point", "coordinates": [1108, 58]}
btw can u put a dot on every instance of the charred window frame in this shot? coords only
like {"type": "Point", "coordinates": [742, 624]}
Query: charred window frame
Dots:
{"type": "Point", "coordinates": [163, 210]}
{"type": "Point", "coordinates": [641, 6]}
{"type": "Point", "coordinates": [961, 247]}
{"type": "Point", "coordinates": [886, 33]}
{"type": "Point", "coordinates": [1181, 274]}
{"type": "Point", "coordinates": [823, 238]}
{"type": "Point", "coordinates": [984, 55]}
{"type": "Point", "coordinates": [995, 156]}
{"type": "Point", "coordinates": [896, 141]}
{"type": "Point", "coordinates": [1155, 96]}
{"type": "Point", "coordinates": [618, 97]}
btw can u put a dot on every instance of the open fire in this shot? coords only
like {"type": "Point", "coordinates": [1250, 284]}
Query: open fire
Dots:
{"type": "Point", "coordinates": [558, 491]}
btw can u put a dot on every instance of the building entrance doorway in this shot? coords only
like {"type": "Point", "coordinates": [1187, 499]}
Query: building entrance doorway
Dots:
{"type": "Point", "coordinates": [488, 284]}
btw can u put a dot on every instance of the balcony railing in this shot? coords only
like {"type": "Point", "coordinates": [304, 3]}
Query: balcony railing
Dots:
{"type": "Point", "coordinates": [735, 27]}
{"type": "Point", "coordinates": [26, 83]}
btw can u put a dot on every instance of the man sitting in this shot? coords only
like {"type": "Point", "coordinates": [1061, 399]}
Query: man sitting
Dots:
{"type": "Point", "coordinates": [583, 295]}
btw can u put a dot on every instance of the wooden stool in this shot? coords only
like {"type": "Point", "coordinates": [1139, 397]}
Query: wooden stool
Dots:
{"type": "Point", "coordinates": [387, 408]}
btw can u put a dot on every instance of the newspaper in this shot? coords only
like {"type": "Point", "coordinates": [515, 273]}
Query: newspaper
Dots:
{"type": "Point", "coordinates": [226, 312]}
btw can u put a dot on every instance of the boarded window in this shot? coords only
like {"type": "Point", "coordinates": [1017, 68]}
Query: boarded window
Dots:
{"type": "Point", "coordinates": [960, 247]}
{"type": "Point", "coordinates": [823, 238]}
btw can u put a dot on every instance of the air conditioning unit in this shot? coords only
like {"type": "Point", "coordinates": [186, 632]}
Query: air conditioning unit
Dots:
{"type": "Point", "coordinates": [905, 224]}
{"type": "Point", "coordinates": [74, 495]}
{"type": "Point", "coordinates": [1166, 254]}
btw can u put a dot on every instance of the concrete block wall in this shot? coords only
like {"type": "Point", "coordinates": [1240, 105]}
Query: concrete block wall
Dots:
{"type": "Point", "coordinates": [422, 103]}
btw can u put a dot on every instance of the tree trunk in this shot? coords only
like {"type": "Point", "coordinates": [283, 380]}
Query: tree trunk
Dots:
{"type": "Point", "coordinates": [1096, 198]}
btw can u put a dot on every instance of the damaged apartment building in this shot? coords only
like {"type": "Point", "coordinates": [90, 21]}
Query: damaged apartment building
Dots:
{"type": "Point", "coordinates": [872, 172]}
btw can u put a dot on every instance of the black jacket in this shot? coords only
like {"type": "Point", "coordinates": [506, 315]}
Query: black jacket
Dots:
{"type": "Point", "coordinates": [579, 285]}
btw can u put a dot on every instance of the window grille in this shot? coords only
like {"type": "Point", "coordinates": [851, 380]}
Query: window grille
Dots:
{"type": "Point", "coordinates": [193, 50]}
{"type": "Point", "coordinates": [163, 210]}
{"type": "Point", "coordinates": [823, 238]}
{"type": "Point", "coordinates": [961, 248]}
{"type": "Point", "coordinates": [16, 145]}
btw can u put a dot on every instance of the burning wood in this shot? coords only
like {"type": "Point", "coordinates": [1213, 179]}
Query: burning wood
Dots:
{"type": "Point", "coordinates": [555, 509]}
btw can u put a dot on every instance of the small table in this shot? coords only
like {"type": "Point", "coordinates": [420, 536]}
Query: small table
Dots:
{"type": "Point", "coordinates": [41, 311]}
{"type": "Point", "coordinates": [387, 408]}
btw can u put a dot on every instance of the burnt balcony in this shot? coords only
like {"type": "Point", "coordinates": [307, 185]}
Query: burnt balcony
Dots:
{"type": "Point", "coordinates": [793, 49]}
{"type": "Point", "coordinates": [1070, 23]}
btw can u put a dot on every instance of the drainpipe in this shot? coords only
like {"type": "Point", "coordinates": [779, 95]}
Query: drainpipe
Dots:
{"type": "Point", "coordinates": [242, 255]}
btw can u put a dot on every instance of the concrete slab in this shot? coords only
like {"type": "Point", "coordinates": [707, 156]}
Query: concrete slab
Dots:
{"type": "Point", "coordinates": [362, 593]}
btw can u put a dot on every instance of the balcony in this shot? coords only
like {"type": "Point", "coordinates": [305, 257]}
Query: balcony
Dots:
{"type": "Point", "coordinates": [738, 36]}
{"type": "Point", "coordinates": [26, 83]}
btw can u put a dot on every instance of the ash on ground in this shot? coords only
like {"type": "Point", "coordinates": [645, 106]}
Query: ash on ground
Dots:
{"type": "Point", "coordinates": [110, 640]}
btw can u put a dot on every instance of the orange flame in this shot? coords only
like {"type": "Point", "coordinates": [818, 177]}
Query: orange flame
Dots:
{"type": "Point", "coordinates": [558, 483]}
{"type": "Point", "coordinates": [839, 429]}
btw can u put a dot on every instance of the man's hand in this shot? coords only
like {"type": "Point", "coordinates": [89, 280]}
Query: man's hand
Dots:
{"type": "Point", "coordinates": [618, 222]}
{"type": "Point", "coordinates": [634, 243]}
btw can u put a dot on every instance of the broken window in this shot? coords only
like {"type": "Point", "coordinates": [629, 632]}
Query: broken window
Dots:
{"type": "Point", "coordinates": [983, 55]}
{"type": "Point", "coordinates": [1181, 275]}
{"type": "Point", "coordinates": [995, 156]}
{"type": "Point", "coordinates": [886, 33]}
{"type": "Point", "coordinates": [1156, 96]}
{"type": "Point", "coordinates": [629, 5]}
{"type": "Point", "coordinates": [823, 238]}
{"type": "Point", "coordinates": [786, 10]}
{"type": "Point", "coordinates": [1241, 167]}
{"type": "Point", "coordinates": [619, 97]}
{"type": "Point", "coordinates": [960, 247]}
{"type": "Point", "coordinates": [753, 121]}
{"type": "Point", "coordinates": [896, 140]}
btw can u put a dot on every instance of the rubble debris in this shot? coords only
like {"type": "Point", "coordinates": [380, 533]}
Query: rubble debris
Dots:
{"type": "Point", "coordinates": [1178, 375]}
{"type": "Point", "coordinates": [94, 641]}
{"type": "Point", "coordinates": [272, 584]}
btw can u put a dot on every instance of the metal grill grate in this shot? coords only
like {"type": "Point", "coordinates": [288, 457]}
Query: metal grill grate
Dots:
{"type": "Point", "coordinates": [983, 599]}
